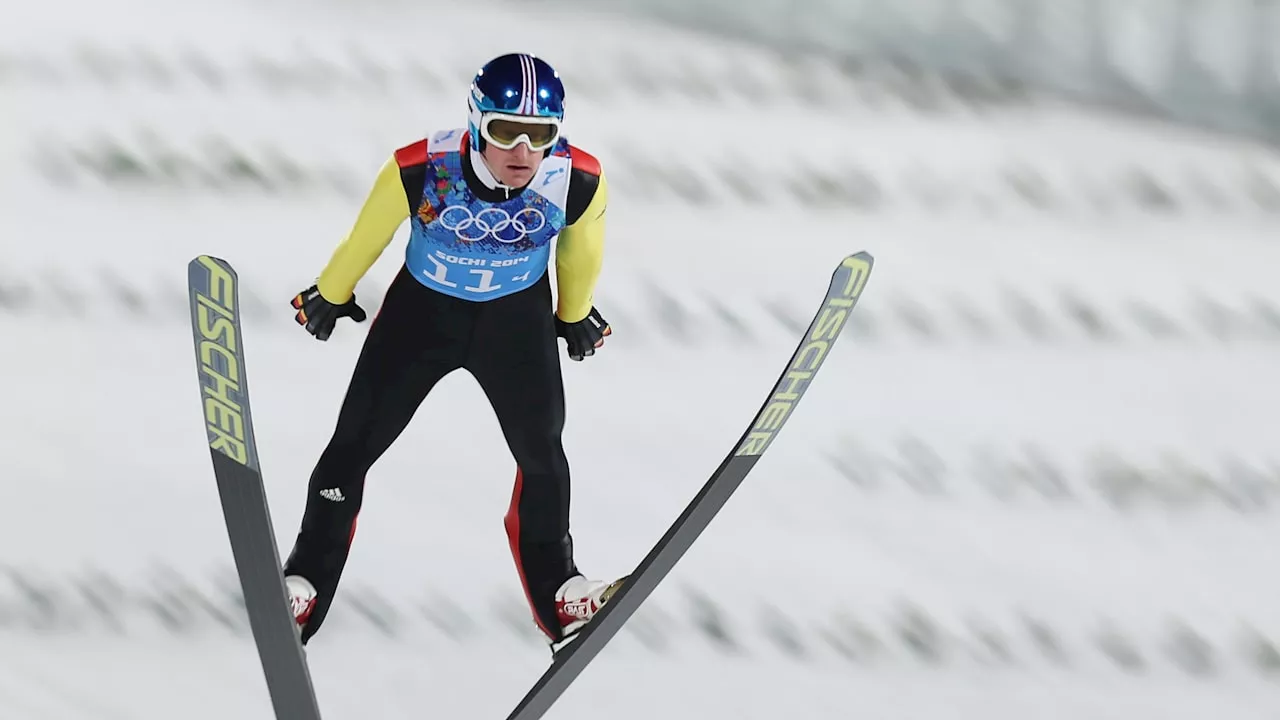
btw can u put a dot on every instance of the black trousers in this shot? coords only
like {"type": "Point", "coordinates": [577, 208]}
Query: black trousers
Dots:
{"type": "Point", "coordinates": [419, 335]}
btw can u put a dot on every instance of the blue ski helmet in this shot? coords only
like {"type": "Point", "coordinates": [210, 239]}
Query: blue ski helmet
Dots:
{"type": "Point", "coordinates": [511, 93]}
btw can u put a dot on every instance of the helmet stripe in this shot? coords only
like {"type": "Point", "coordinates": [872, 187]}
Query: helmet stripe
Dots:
{"type": "Point", "coordinates": [526, 96]}
{"type": "Point", "coordinates": [524, 85]}
{"type": "Point", "coordinates": [533, 86]}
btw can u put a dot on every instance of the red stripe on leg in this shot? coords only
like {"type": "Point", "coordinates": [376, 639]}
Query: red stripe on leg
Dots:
{"type": "Point", "coordinates": [512, 524]}
{"type": "Point", "coordinates": [351, 536]}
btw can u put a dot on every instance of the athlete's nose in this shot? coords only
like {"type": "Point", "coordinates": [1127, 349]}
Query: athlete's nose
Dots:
{"type": "Point", "coordinates": [521, 153]}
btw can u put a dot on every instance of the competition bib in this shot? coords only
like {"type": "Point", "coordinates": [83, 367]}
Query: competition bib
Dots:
{"type": "Point", "coordinates": [468, 248]}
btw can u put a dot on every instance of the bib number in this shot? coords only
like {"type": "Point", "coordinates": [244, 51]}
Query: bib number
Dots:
{"type": "Point", "coordinates": [477, 273]}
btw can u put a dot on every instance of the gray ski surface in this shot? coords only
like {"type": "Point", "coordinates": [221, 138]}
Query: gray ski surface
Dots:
{"type": "Point", "coordinates": [224, 394]}
{"type": "Point", "coordinates": [847, 283]}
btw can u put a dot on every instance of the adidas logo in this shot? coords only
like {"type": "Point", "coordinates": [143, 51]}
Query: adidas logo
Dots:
{"type": "Point", "coordinates": [333, 494]}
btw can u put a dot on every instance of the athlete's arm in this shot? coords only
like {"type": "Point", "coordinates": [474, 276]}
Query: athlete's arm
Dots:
{"type": "Point", "coordinates": [580, 246]}
{"type": "Point", "coordinates": [384, 210]}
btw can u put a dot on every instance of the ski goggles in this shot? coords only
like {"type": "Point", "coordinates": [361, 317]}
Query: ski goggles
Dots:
{"type": "Point", "coordinates": [507, 131]}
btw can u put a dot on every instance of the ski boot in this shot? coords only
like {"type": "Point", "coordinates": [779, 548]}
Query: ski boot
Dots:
{"type": "Point", "coordinates": [301, 595]}
{"type": "Point", "coordinates": [577, 602]}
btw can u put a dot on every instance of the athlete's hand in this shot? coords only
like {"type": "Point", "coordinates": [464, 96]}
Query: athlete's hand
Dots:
{"type": "Point", "coordinates": [319, 316]}
{"type": "Point", "coordinates": [584, 336]}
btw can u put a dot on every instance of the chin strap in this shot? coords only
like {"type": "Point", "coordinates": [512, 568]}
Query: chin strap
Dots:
{"type": "Point", "coordinates": [481, 168]}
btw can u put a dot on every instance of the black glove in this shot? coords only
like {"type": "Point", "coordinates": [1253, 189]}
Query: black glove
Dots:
{"type": "Point", "coordinates": [319, 316]}
{"type": "Point", "coordinates": [584, 336]}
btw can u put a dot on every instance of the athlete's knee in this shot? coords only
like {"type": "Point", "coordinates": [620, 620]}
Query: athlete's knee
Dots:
{"type": "Point", "coordinates": [341, 464]}
{"type": "Point", "coordinates": [356, 444]}
{"type": "Point", "coordinates": [547, 465]}
{"type": "Point", "coordinates": [539, 450]}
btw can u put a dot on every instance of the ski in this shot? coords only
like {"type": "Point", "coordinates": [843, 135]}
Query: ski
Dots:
{"type": "Point", "coordinates": [224, 394]}
{"type": "Point", "coordinates": [847, 283]}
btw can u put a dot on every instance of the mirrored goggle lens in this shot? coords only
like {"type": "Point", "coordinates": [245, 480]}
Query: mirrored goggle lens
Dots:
{"type": "Point", "coordinates": [505, 132]}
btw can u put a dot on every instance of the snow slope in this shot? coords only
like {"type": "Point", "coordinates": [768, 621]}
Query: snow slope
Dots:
{"type": "Point", "coordinates": [118, 484]}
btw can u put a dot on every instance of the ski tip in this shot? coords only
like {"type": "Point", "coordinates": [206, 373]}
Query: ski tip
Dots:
{"type": "Point", "coordinates": [862, 258]}
{"type": "Point", "coordinates": [209, 262]}
{"type": "Point", "coordinates": [857, 267]}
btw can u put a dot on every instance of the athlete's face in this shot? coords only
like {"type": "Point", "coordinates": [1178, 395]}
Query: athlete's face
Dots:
{"type": "Point", "coordinates": [514, 167]}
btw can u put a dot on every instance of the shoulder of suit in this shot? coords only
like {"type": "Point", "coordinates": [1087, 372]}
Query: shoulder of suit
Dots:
{"type": "Point", "coordinates": [417, 152]}
{"type": "Point", "coordinates": [584, 161]}
{"type": "Point", "coordinates": [412, 154]}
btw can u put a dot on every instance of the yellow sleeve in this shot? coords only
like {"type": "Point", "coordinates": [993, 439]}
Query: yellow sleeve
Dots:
{"type": "Point", "coordinates": [579, 256]}
{"type": "Point", "coordinates": [376, 224]}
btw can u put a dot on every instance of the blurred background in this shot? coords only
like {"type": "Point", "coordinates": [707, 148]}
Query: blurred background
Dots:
{"type": "Point", "coordinates": [1037, 478]}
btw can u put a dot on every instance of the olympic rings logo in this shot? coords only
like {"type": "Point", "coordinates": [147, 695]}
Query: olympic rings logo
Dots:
{"type": "Point", "coordinates": [491, 222]}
